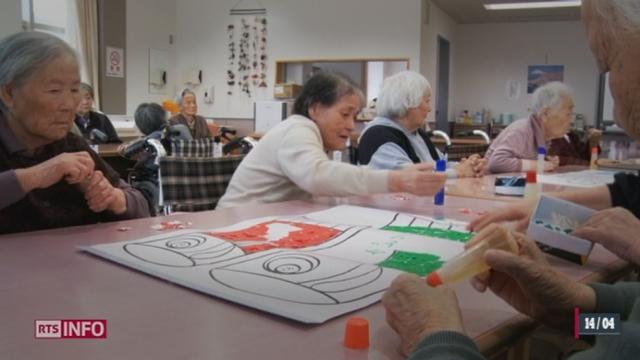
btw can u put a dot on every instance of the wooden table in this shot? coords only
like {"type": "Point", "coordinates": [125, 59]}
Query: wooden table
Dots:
{"type": "Point", "coordinates": [45, 276]}
{"type": "Point", "coordinates": [484, 187]}
{"type": "Point", "coordinates": [108, 150]}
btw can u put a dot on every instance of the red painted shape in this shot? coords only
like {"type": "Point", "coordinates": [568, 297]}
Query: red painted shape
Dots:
{"type": "Point", "coordinates": [305, 236]}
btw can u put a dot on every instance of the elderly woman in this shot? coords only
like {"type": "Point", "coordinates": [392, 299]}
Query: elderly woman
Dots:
{"type": "Point", "coordinates": [429, 320]}
{"type": "Point", "coordinates": [50, 177]}
{"type": "Point", "coordinates": [516, 148]}
{"type": "Point", "coordinates": [290, 162]}
{"type": "Point", "coordinates": [95, 127]}
{"type": "Point", "coordinates": [188, 116]}
{"type": "Point", "coordinates": [396, 138]}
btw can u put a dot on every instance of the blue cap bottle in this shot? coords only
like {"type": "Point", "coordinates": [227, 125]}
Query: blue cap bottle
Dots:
{"type": "Point", "coordinates": [441, 166]}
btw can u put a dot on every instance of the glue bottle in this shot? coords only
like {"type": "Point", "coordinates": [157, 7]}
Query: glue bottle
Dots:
{"type": "Point", "coordinates": [542, 153]}
{"type": "Point", "coordinates": [593, 164]}
{"type": "Point", "coordinates": [471, 261]}
{"type": "Point", "coordinates": [532, 187]}
{"type": "Point", "coordinates": [441, 166]}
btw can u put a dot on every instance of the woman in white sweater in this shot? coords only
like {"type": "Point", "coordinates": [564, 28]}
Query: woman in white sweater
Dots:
{"type": "Point", "coordinates": [290, 162]}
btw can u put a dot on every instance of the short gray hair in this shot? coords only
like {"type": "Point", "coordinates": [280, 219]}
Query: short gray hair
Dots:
{"type": "Point", "coordinates": [620, 16]}
{"type": "Point", "coordinates": [183, 94]}
{"type": "Point", "coordinates": [549, 95]}
{"type": "Point", "coordinates": [150, 117]}
{"type": "Point", "coordinates": [88, 88]}
{"type": "Point", "coordinates": [401, 92]}
{"type": "Point", "coordinates": [326, 89]}
{"type": "Point", "coordinates": [24, 53]}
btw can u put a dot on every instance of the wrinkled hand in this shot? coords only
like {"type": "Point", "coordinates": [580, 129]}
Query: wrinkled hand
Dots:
{"type": "Point", "coordinates": [418, 179]}
{"type": "Point", "coordinates": [73, 167]}
{"type": "Point", "coordinates": [101, 195]}
{"type": "Point", "coordinates": [415, 310]}
{"type": "Point", "coordinates": [594, 137]}
{"type": "Point", "coordinates": [531, 286]}
{"type": "Point", "coordinates": [552, 163]}
{"type": "Point", "coordinates": [473, 166]}
{"type": "Point", "coordinates": [616, 229]}
{"type": "Point", "coordinates": [520, 212]}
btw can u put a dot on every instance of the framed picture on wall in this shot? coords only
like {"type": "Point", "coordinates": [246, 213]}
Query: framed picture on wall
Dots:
{"type": "Point", "coordinates": [538, 75]}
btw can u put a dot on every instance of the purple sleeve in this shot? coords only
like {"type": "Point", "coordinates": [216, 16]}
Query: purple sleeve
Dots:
{"type": "Point", "coordinates": [11, 189]}
{"type": "Point", "coordinates": [137, 205]}
{"type": "Point", "coordinates": [505, 156]}
{"type": "Point", "coordinates": [502, 161]}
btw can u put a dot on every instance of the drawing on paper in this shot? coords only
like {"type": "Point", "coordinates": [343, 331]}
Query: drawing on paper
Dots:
{"type": "Point", "coordinates": [308, 268]}
{"type": "Point", "coordinates": [185, 250]}
{"type": "Point", "coordinates": [584, 178]}
{"type": "Point", "coordinates": [417, 263]}
{"type": "Point", "coordinates": [278, 234]}
{"type": "Point", "coordinates": [302, 278]}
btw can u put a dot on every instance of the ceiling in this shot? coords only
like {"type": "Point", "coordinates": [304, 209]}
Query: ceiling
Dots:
{"type": "Point", "coordinates": [473, 12]}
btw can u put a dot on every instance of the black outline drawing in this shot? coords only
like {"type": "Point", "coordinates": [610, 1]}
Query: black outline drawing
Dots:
{"type": "Point", "coordinates": [334, 289]}
{"type": "Point", "coordinates": [302, 276]}
{"type": "Point", "coordinates": [202, 256]}
{"type": "Point", "coordinates": [173, 244]}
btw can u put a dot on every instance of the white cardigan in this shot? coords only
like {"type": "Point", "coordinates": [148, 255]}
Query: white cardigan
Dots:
{"type": "Point", "coordinates": [290, 163]}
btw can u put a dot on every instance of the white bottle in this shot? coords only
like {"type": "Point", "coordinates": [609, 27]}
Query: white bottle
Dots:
{"type": "Point", "coordinates": [217, 149]}
{"type": "Point", "coordinates": [542, 152]}
{"type": "Point", "coordinates": [532, 188]}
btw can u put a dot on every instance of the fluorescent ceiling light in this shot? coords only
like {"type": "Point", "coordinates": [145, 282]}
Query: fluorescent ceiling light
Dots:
{"type": "Point", "coordinates": [533, 5]}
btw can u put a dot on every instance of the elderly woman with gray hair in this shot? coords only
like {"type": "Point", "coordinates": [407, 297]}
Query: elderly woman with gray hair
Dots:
{"type": "Point", "coordinates": [188, 116]}
{"type": "Point", "coordinates": [516, 148]}
{"type": "Point", "coordinates": [48, 176]}
{"type": "Point", "coordinates": [397, 137]}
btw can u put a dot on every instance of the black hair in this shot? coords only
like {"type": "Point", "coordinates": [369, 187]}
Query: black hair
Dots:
{"type": "Point", "coordinates": [150, 117]}
{"type": "Point", "coordinates": [326, 89]}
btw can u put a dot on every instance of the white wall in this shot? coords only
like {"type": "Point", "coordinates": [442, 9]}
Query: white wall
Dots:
{"type": "Point", "coordinates": [375, 72]}
{"type": "Point", "coordinates": [439, 24]}
{"type": "Point", "coordinates": [297, 29]}
{"type": "Point", "coordinates": [10, 17]}
{"type": "Point", "coordinates": [488, 55]}
{"type": "Point", "coordinates": [149, 24]}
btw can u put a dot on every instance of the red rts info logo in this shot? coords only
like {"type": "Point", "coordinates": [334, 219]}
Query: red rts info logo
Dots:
{"type": "Point", "coordinates": [71, 329]}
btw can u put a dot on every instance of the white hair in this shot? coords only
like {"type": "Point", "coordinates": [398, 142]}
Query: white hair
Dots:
{"type": "Point", "coordinates": [24, 53]}
{"type": "Point", "coordinates": [401, 92]}
{"type": "Point", "coordinates": [549, 95]}
{"type": "Point", "coordinates": [183, 94]}
{"type": "Point", "coordinates": [620, 16]}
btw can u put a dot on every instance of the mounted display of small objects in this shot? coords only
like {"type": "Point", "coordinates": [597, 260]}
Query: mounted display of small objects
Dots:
{"type": "Point", "coordinates": [262, 21]}
{"type": "Point", "coordinates": [248, 69]}
{"type": "Point", "coordinates": [231, 76]}
{"type": "Point", "coordinates": [243, 59]}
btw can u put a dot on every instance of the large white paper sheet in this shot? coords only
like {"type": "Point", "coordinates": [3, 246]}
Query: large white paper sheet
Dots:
{"type": "Point", "coordinates": [309, 268]}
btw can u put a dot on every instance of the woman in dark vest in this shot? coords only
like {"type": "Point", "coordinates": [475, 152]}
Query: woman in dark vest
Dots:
{"type": "Point", "coordinates": [49, 177]}
{"type": "Point", "coordinates": [95, 127]}
{"type": "Point", "coordinates": [188, 116]}
{"type": "Point", "coordinates": [396, 138]}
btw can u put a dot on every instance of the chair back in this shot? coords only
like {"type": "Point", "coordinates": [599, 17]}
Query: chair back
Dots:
{"type": "Point", "coordinates": [193, 148]}
{"type": "Point", "coordinates": [194, 183]}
